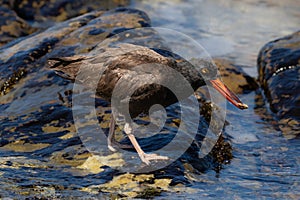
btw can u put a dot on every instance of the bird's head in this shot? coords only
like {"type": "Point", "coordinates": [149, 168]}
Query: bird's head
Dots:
{"type": "Point", "coordinates": [209, 71]}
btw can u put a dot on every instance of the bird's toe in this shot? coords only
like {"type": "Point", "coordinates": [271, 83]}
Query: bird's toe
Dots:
{"type": "Point", "coordinates": [111, 148]}
{"type": "Point", "coordinates": [146, 158]}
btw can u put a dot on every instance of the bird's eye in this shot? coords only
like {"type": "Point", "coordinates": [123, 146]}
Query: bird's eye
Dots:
{"type": "Point", "coordinates": [204, 70]}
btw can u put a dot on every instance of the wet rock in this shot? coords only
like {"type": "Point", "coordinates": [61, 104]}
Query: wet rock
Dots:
{"type": "Point", "coordinates": [21, 18]}
{"type": "Point", "coordinates": [94, 163]}
{"type": "Point", "coordinates": [37, 122]}
{"type": "Point", "coordinates": [12, 26]}
{"type": "Point", "coordinates": [21, 146]}
{"type": "Point", "coordinates": [60, 10]}
{"type": "Point", "coordinates": [279, 76]}
{"type": "Point", "coordinates": [143, 186]}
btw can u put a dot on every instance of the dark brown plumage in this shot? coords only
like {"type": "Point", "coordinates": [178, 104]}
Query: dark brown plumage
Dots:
{"type": "Point", "coordinates": [135, 66]}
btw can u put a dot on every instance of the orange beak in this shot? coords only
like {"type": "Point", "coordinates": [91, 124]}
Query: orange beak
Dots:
{"type": "Point", "coordinates": [229, 95]}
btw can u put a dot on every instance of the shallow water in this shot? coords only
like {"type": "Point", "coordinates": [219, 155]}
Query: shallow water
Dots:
{"type": "Point", "coordinates": [232, 29]}
{"type": "Point", "coordinates": [265, 165]}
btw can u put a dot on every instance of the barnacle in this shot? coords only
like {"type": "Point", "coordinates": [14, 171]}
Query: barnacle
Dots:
{"type": "Point", "coordinates": [11, 81]}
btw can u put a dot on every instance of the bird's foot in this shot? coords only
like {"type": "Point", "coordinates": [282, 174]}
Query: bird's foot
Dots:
{"type": "Point", "coordinates": [146, 158]}
{"type": "Point", "coordinates": [112, 143]}
{"type": "Point", "coordinates": [111, 148]}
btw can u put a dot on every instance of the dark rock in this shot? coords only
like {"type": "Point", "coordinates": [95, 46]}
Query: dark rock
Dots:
{"type": "Point", "coordinates": [21, 18]}
{"type": "Point", "coordinates": [12, 26]}
{"type": "Point", "coordinates": [60, 10]}
{"type": "Point", "coordinates": [279, 76]}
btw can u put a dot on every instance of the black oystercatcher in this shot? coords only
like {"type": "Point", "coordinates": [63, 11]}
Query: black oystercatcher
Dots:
{"type": "Point", "coordinates": [120, 61]}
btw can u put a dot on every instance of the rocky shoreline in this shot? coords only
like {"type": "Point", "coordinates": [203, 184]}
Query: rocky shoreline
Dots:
{"type": "Point", "coordinates": [37, 130]}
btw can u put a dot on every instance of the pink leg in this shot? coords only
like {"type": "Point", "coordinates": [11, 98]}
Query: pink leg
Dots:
{"type": "Point", "coordinates": [143, 156]}
{"type": "Point", "coordinates": [110, 137]}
